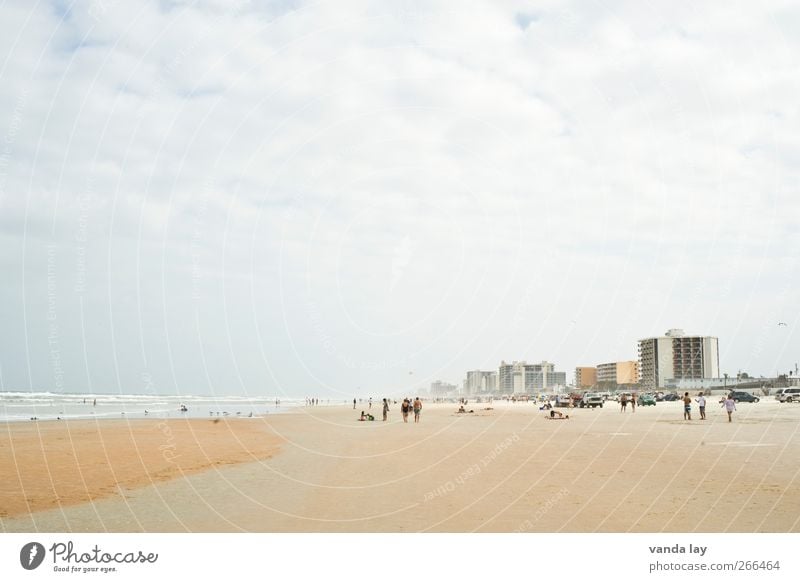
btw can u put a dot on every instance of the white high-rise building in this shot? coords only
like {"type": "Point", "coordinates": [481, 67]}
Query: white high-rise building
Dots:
{"type": "Point", "coordinates": [524, 378]}
{"type": "Point", "coordinates": [480, 382]}
{"type": "Point", "coordinates": [676, 356]}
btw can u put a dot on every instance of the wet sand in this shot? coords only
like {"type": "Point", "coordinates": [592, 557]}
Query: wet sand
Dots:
{"type": "Point", "coordinates": [502, 470]}
{"type": "Point", "coordinates": [58, 464]}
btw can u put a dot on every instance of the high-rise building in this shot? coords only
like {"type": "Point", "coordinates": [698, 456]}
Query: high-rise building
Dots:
{"type": "Point", "coordinates": [618, 373]}
{"type": "Point", "coordinates": [480, 382]}
{"type": "Point", "coordinates": [440, 388]}
{"type": "Point", "coordinates": [524, 378]}
{"type": "Point", "coordinates": [676, 356]}
{"type": "Point", "coordinates": [585, 377]}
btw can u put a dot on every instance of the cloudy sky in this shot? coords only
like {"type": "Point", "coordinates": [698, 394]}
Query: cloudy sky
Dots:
{"type": "Point", "coordinates": [357, 198]}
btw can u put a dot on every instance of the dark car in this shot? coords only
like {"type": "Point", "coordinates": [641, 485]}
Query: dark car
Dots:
{"type": "Point", "coordinates": [646, 400]}
{"type": "Point", "coordinates": [743, 397]}
{"type": "Point", "coordinates": [671, 397]}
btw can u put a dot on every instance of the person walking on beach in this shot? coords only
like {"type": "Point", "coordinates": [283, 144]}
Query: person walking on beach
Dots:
{"type": "Point", "coordinates": [385, 409]}
{"type": "Point", "coordinates": [633, 403]}
{"type": "Point", "coordinates": [730, 406]}
{"type": "Point", "coordinates": [370, 402]}
{"type": "Point", "coordinates": [404, 409]}
{"type": "Point", "coordinates": [687, 406]}
{"type": "Point", "coordinates": [623, 402]}
{"type": "Point", "coordinates": [354, 403]}
{"type": "Point", "coordinates": [701, 404]}
{"type": "Point", "coordinates": [417, 408]}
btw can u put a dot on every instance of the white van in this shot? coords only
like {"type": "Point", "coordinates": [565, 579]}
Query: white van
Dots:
{"type": "Point", "coordinates": [790, 395]}
{"type": "Point", "coordinates": [778, 393]}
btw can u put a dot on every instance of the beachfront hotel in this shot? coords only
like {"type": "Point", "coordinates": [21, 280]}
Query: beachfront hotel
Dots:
{"type": "Point", "coordinates": [439, 388]}
{"type": "Point", "coordinates": [480, 382]}
{"type": "Point", "coordinates": [585, 377]}
{"type": "Point", "coordinates": [618, 373]}
{"type": "Point", "coordinates": [676, 356]}
{"type": "Point", "coordinates": [524, 378]}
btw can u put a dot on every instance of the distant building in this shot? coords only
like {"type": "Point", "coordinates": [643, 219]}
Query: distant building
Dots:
{"type": "Point", "coordinates": [676, 356]}
{"type": "Point", "coordinates": [480, 382]}
{"type": "Point", "coordinates": [585, 377]}
{"type": "Point", "coordinates": [440, 388]}
{"type": "Point", "coordinates": [524, 378]}
{"type": "Point", "coordinates": [618, 373]}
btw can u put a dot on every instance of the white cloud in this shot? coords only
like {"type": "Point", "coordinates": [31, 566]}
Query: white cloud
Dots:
{"type": "Point", "coordinates": [444, 187]}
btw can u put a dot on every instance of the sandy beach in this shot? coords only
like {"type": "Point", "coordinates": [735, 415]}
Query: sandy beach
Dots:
{"type": "Point", "coordinates": [503, 470]}
{"type": "Point", "coordinates": [59, 464]}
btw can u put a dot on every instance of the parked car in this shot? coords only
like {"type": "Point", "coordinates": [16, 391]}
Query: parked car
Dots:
{"type": "Point", "coordinates": [591, 400]}
{"type": "Point", "coordinates": [743, 397]}
{"type": "Point", "coordinates": [646, 400]}
{"type": "Point", "coordinates": [790, 395]}
{"type": "Point", "coordinates": [671, 397]}
{"type": "Point", "coordinates": [778, 394]}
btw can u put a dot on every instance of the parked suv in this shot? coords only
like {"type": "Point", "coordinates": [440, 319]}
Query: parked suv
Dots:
{"type": "Point", "coordinates": [790, 395]}
{"type": "Point", "coordinates": [743, 397]}
{"type": "Point", "coordinates": [592, 400]}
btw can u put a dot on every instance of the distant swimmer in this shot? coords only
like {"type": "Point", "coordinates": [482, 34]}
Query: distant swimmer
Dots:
{"type": "Point", "coordinates": [146, 413]}
{"type": "Point", "coordinates": [183, 408]}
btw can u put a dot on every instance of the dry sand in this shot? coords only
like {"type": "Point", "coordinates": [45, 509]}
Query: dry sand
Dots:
{"type": "Point", "coordinates": [502, 470]}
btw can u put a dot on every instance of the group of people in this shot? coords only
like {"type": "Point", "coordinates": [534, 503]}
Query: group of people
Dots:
{"type": "Point", "coordinates": [406, 408]}
{"type": "Point", "coordinates": [728, 403]}
{"type": "Point", "coordinates": [624, 399]}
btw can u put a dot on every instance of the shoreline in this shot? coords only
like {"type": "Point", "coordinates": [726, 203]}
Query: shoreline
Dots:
{"type": "Point", "coordinates": [507, 469]}
{"type": "Point", "coordinates": [56, 464]}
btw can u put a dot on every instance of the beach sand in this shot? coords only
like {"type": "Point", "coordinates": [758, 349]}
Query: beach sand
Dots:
{"type": "Point", "coordinates": [58, 464]}
{"type": "Point", "coordinates": [502, 470]}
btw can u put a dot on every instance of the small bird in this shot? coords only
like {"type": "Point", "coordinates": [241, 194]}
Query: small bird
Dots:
{"type": "Point", "coordinates": [780, 323]}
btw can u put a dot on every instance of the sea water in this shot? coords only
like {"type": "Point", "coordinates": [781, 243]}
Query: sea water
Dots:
{"type": "Point", "coordinates": [24, 406]}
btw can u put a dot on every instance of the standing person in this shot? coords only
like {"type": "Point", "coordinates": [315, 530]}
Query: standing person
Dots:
{"type": "Point", "coordinates": [623, 402]}
{"type": "Point", "coordinates": [687, 406]}
{"type": "Point", "coordinates": [385, 409]}
{"type": "Point", "coordinates": [701, 404]}
{"type": "Point", "coordinates": [417, 408]}
{"type": "Point", "coordinates": [370, 402]}
{"type": "Point", "coordinates": [354, 403]}
{"type": "Point", "coordinates": [633, 403]}
{"type": "Point", "coordinates": [730, 406]}
{"type": "Point", "coordinates": [404, 409]}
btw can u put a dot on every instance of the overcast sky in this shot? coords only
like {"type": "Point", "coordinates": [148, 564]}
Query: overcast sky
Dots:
{"type": "Point", "coordinates": [358, 198]}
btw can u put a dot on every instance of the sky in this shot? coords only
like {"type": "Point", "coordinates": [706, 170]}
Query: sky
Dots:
{"type": "Point", "coordinates": [357, 198]}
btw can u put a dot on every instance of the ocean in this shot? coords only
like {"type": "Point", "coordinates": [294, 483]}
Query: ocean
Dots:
{"type": "Point", "coordinates": [24, 406]}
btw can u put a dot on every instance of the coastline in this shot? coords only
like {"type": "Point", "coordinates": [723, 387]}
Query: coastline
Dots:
{"type": "Point", "coordinates": [502, 470]}
{"type": "Point", "coordinates": [56, 464]}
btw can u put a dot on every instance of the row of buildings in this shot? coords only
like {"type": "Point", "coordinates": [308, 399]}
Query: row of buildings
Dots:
{"type": "Point", "coordinates": [674, 360]}
{"type": "Point", "coordinates": [510, 378]}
